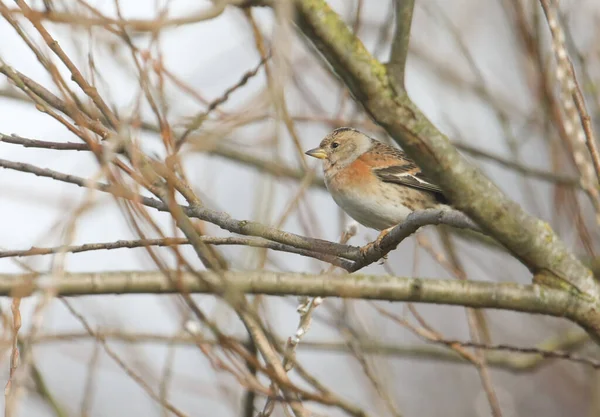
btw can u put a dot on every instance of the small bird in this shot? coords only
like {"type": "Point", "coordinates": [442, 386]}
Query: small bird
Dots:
{"type": "Point", "coordinates": [374, 183]}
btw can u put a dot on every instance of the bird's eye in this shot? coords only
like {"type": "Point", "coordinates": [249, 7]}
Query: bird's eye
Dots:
{"type": "Point", "coordinates": [335, 145]}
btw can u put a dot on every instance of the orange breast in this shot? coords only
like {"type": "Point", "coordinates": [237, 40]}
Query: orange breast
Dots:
{"type": "Point", "coordinates": [356, 175]}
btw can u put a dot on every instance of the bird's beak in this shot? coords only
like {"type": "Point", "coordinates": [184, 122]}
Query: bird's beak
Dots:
{"type": "Point", "coordinates": [317, 153]}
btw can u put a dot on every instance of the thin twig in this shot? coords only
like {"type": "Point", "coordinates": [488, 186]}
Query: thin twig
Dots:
{"type": "Point", "coordinates": [526, 170]}
{"type": "Point", "coordinates": [35, 143]}
{"type": "Point", "coordinates": [549, 354]}
{"type": "Point", "coordinates": [172, 241]}
{"type": "Point", "coordinates": [10, 390]}
{"type": "Point", "coordinates": [137, 25]}
{"type": "Point", "coordinates": [531, 359]}
{"type": "Point", "coordinates": [413, 222]}
{"type": "Point", "coordinates": [114, 356]}
{"type": "Point", "coordinates": [199, 119]}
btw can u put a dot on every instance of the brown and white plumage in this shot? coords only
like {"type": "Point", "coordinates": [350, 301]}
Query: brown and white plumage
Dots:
{"type": "Point", "coordinates": [402, 170]}
{"type": "Point", "coordinates": [376, 184]}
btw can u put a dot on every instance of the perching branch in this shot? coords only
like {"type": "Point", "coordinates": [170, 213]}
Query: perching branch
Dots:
{"type": "Point", "coordinates": [412, 223]}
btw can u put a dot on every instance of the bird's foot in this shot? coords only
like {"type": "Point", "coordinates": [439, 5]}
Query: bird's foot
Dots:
{"type": "Point", "coordinates": [365, 249]}
{"type": "Point", "coordinates": [383, 234]}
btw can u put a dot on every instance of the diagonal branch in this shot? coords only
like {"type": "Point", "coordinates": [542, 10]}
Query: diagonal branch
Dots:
{"type": "Point", "coordinates": [397, 65]}
{"type": "Point", "coordinates": [412, 223]}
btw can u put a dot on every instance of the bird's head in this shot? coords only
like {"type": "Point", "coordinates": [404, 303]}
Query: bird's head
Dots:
{"type": "Point", "coordinates": [341, 147]}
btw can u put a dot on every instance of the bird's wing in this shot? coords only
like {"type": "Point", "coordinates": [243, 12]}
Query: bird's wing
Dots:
{"type": "Point", "coordinates": [407, 174]}
{"type": "Point", "coordinates": [393, 166]}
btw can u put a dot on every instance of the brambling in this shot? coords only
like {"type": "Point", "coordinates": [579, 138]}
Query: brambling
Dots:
{"type": "Point", "coordinates": [374, 183]}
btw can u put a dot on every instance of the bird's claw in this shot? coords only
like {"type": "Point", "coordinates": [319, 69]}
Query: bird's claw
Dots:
{"type": "Point", "coordinates": [364, 250]}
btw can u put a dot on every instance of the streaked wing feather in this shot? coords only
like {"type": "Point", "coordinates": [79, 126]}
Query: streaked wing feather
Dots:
{"type": "Point", "coordinates": [407, 174]}
{"type": "Point", "coordinates": [399, 169]}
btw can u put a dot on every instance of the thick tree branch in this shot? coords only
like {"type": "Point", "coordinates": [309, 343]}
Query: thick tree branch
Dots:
{"type": "Point", "coordinates": [397, 64]}
{"type": "Point", "coordinates": [506, 296]}
{"type": "Point", "coordinates": [531, 239]}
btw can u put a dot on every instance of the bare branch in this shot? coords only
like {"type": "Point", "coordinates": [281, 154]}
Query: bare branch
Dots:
{"type": "Point", "coordinates": [43, 144]}
{"type": "Point", "coordinates": [173, 241]}
{"type": "Point", "coordinates": [514, 359]}
{"type": "Point", "coordinates": [197, 121]}
{"type": "Point", "coordinates": [413, 222]}
{"type": "Point", "coordinates": [505, 296]}
{"type": "Point", "coordinates": [138, 25]}
{"type": "Point", "coordinates": [540, 174]}
{"type": "Point", "coordinates": [397, 65]}
{"type": "Point", "coordinates": [550, 354]}
{"type": "Point", "coordinates": [260, 164]}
